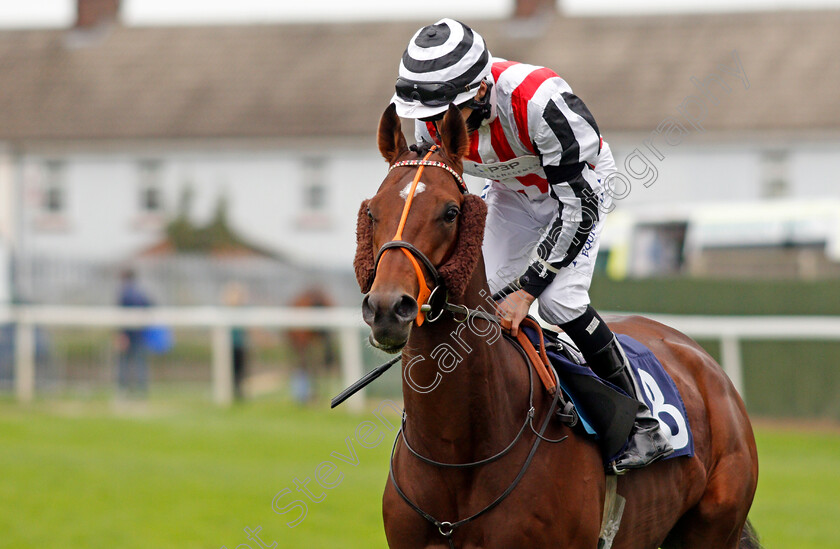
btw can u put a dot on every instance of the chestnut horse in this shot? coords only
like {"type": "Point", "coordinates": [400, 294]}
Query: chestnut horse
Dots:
{"type": "Point", "coordinates": [466, 392]}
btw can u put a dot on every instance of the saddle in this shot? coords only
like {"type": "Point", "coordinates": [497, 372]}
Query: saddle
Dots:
{"type": "Point", "coordinates": [607, 413]}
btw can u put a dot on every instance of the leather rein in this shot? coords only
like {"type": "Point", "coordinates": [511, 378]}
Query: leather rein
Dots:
{"type": "Point", "coordinates": [432, 305]}
{"type": "Point", "coordinates": [447, 528]}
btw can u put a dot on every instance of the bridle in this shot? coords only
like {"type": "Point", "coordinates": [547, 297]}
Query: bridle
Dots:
{"type": "Point", "coordinates": [559, 406]}
{"type": "Point", "coordinates": [431, 302]}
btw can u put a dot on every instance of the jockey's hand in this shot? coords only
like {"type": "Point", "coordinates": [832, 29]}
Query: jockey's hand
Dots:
{"type": "Point", "coordinates": [514, 308]}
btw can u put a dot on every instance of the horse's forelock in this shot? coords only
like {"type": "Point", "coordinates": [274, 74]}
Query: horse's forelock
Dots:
{"type": "Point", "coordinates": [421, 148]}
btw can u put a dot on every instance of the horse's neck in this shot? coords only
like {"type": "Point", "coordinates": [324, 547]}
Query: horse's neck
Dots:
{"type": "Point", "coordinates": [463, 385]}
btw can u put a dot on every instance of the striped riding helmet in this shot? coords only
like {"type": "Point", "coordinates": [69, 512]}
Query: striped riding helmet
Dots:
{"type": "Point", "coordinates": [444, 63]}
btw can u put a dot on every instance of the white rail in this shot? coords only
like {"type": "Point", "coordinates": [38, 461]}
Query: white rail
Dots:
{"type": "Point", "coordinates": [731, 330]}
{"type": "Point", "coordinates": [347, 323]}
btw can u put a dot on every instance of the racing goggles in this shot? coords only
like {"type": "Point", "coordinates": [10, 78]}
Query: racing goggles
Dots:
{"type": "Point", "coordinates": [431, 94]}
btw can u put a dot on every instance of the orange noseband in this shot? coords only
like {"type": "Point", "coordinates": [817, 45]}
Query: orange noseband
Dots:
{"type": "Point", "coordinates": [424, 292]}
{"type": "Point", "coordinates": [412, 253]}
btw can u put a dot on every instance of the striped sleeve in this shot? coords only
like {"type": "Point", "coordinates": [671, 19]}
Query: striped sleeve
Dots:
{"type": "Point", "coordinates": [577, 213]}
{"type": "Point", "coordinates": [564, 130]}
{"type": "Point", "coordinates": [569, 142]}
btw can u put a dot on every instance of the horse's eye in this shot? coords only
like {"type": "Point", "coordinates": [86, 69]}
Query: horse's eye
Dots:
{"type": "Point", "coordinates": [370, 215]}
{"type": "Point", "coordinates": [451, 214]}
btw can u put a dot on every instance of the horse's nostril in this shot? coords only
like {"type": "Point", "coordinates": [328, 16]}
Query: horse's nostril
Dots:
{"type": "Point", "coordinates": [406, 308]}
{"type": "Point", "coordinates": [368, 314]}
{"type": "Point", "coordinates": [384, 308]}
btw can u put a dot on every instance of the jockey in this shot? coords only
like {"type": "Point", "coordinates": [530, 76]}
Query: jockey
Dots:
{"type": "Point", "coordinates": [544, 162]}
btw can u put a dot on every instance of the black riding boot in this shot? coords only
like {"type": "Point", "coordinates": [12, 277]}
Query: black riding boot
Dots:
{"type": "Point", "coordinates": [647, 443]}
{"type": "Point", "coordinates": [604, 355]}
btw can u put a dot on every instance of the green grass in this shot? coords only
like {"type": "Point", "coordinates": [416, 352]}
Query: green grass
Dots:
{"type": "Point", "coordinates": [797, 505]}
{"type": "Point", "coordinates": [185, 475]}
{"type": "Point", "coordinates": [181, 478]}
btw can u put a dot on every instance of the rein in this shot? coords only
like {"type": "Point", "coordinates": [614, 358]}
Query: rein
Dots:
{"type": "Point", "coordinates": [431, 306]}
{"type": "Point", "coordinates": [446, 528]}
{"type": "Point", "coordinates": [432, 303]}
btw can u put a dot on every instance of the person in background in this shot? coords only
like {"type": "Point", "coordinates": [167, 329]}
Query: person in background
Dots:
{"type": "Point", "coordinates": [235, 295]}
{"type": "Point", "coordinates": [312, 348]}
{"type": "Point", "coordinates": [132, 372]}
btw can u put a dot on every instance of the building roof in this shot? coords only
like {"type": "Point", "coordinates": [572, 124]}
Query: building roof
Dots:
{"type": "Point", "coordinates": [297, 80]}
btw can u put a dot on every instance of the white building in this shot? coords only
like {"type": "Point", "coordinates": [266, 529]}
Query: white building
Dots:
{"type": "Point", "coordinates": [103, 125]}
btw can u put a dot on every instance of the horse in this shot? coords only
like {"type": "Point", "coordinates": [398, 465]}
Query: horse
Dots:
{"type": "Point", "coordinates": [312, 349]}
{"type": "Point", "coordinates": [466, 390]}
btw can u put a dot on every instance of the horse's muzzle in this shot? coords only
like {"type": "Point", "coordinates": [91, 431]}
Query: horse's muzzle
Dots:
{"type": "Point", "coordinates": [389, 316]}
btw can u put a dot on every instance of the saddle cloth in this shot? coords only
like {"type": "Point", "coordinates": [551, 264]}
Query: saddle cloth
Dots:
{"type": "Point", "coordinates": [659, 392]}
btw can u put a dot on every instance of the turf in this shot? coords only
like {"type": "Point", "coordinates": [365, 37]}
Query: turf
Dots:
{"type": "Point", "coordinates": [194, 476]}
{"type": "Point", "coordinates": [797, 504]}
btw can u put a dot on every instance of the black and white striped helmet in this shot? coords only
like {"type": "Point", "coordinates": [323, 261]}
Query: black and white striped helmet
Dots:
{"type": "Point", "coordinates": [444, 63]}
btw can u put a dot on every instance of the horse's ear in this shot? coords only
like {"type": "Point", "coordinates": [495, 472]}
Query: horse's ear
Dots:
{"type": "Point", "coordinates": [453, 135]}
{"type": "Point", "coordinates": [390, 138]}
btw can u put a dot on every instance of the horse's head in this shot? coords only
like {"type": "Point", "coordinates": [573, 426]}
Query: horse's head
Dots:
{"type": "Point", "coordinates": [408, 244]}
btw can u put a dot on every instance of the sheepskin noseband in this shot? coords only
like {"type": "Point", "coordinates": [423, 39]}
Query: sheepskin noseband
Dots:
{"type": "Point", "coordinates": [455, 272]}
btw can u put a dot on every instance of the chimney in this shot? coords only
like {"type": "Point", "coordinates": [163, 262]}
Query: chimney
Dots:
{"type": "Point", "coordinates": [93, 13]}
{"type": "Point", "coordinates": [529, 9]}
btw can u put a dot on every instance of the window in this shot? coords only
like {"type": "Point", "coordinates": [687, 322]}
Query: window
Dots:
{"type": "Point", "coordinates": [52, 206]}
{"type": "Point", "coordinates": [314, 185]}
{"type": "Point", "coordinates": [151, 197]}
{"type": "Point", "coordinates": [54, 200]}
{"type": "Point", "coordinates": [315, 196]}
{"type": "Point", "coordinates": [774, 174]}
{"type": "Point", "coordinates": [658, 249]}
